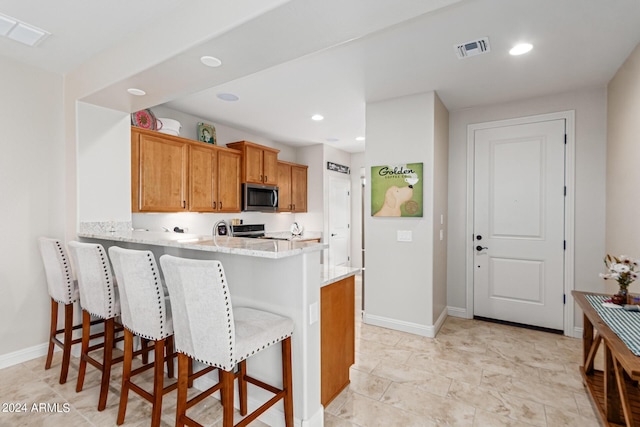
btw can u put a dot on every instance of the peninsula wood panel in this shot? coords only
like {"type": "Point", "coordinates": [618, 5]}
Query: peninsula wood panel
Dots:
{"type": "Point", "coordinates": [337, 337]}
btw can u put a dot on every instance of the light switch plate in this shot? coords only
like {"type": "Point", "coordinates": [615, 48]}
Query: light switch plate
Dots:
{"type": "Point", "coordinates": [313, 313]}
{"type": "Point", "coordinates": [405, 236]}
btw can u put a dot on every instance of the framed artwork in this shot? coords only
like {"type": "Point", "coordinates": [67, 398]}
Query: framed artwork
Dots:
{"type": "Point", "coordinates": [396, 190]}
{"type": "Point", "coordinates": [206, 133]}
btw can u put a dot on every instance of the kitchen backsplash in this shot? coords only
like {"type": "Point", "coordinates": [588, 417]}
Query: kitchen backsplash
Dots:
{"type": "Point", "coordinates": [202, 223]}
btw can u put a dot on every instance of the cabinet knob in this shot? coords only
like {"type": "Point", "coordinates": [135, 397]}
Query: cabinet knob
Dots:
{"type": "Point", "coordinates": [214, 205]}
{"type": "Point", "coordinates": [294, 207]}
{"type": "Point", "coordinates": [265, 178]}
{"type": "Point", "coordinates": [220, 205]}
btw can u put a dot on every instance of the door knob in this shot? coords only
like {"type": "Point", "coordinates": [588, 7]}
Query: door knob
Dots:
{"type": "Point", "coordinates": [479, 248]}
{"type": "Point", "coordinates": [333, 234]}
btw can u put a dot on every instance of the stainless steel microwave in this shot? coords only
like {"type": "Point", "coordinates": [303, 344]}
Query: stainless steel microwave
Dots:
{"type": "Point", "coordinates": [259, 198]}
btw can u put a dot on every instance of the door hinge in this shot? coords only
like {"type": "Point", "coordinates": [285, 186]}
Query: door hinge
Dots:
{"type": "Point", "coordinates": [565, 139]}
{"type": "Point", "coordinates": [565, 191]}
{"type": "Point", "coordinates": [564, 298]}
{"type": "Point", "coordinates": [564, 245]}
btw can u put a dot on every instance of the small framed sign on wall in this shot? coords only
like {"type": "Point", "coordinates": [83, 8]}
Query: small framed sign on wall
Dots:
{"type": "Point", "coordinates": [396, 190]}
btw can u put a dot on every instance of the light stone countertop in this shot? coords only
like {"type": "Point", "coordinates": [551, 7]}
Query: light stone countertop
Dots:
{"type": "Point", "coordinates": [286, 235]}
{"type": "Point", "coordinates": [264, 248]}
{"type": "Point", "coordinates": [332, 274]}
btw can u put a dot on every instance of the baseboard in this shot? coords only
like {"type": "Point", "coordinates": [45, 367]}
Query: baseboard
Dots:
{"type": "Point", "coordinates": [24, 355]}
{"type": "Point", "coordinates": [428, 331]}
{"type": "Point", "coordinates": [577, 332]}
{"type": "Point", "coordinates": [457, 312]}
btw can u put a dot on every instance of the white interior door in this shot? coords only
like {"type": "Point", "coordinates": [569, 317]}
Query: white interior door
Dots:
{"type": "Point", "coordinates": [339, 218]}
{"type": "Point", "coordinates": [519, 223]}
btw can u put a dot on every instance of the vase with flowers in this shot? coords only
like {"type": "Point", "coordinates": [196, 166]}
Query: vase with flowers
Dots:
{"type": "Point", "coordinates": [624, 270]}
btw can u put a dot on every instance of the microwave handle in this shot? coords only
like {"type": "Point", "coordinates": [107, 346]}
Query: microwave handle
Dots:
{"type": "Point", "coordinates": [274, 198]}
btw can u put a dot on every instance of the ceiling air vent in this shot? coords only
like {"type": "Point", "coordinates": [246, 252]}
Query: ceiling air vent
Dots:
{"type": "Point", "coordinates": [472, 48]}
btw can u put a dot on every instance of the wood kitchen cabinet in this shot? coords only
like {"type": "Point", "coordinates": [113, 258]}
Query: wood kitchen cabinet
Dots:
{"type": "Point", "coordinates": [259, 163]}
{"type": "Point", "coordinates": [214, 179]}
{"type": "Point", "coordinates": [337, 337]}
{"type": "Point", "coordinates": [292, 184]}
{"type": "Point", "coordinates": [173, 174]}
{"type": "Point", "coordinates": [159, 173]}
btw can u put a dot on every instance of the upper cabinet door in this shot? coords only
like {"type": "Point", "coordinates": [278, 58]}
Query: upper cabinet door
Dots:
{"type": "Point", "coordinates": [284, 187]}
{"type": "Point", "coordinates": [202, 172]}
{"type": "Point", "coordinates": [259, 163]}
{"type": "Point", "coordinates": [162, 174]}
{"type": "Point", "coordinates": [229, 182]}
{"type": "Point", "coordinates": [299, 188]}
{"type": "Point", "coordinates": [253, 165]}
{"type": "Point", "coordinates": [270, 167]}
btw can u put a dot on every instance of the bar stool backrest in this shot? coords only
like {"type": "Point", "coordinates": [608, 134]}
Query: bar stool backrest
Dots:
{"type": "Point", "coordinates": [62, 287]}
{"type": "Point", "coordinates": [202, 312]}
{"type": "Point", "coordinates": [142, 300]}
{"type": "Point", "coordinates": [98, 294]}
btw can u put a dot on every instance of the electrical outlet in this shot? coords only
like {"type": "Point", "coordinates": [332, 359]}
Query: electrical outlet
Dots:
{"type": "Point", "coordinates": [405, 236]}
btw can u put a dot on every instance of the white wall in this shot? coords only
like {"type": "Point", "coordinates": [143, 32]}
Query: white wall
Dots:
{"type": "Point", "coordinates": [104, 158]}
{"type": "Point", "coordinates": [440, 198]}
{"type": "Point", "coordinates": [623, 152]}
{"type": "Point", "coordinates": [357, 162]}
{"type": "Point", "coordinates": [32, 171]}
{"type": "Point", "coordinates": [590, 109]}
{"type": "Point", "coordinates": [399, 274]}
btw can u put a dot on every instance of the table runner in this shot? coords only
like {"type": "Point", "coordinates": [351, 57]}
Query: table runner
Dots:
{"type": "Point", "coordinates": [625, 324]}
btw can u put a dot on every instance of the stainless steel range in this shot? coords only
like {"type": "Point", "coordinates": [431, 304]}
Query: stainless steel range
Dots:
{"type": "Point", "coordinates": [255, 231]}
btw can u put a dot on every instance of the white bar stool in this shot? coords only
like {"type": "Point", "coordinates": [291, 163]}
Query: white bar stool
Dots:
{"type": "Point", "coordinates": [145, 312]}
{"type": "Point", "coordinates": [98, 297]}
{"type": "Point", "coordinates": [208, 329]}
{"type": "Point", "coordinates": [63, 289]}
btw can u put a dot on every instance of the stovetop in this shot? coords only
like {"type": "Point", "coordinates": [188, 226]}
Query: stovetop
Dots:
{"type": "Point", "coordinates": [248, 230]}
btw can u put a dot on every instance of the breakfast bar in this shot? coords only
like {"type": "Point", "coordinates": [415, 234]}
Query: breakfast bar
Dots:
{"type": "Point", "coordinates": [280, 276]}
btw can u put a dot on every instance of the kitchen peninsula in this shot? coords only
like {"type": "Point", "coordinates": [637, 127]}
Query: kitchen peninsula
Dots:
{"type": "Point", "coordinates": [281, 276]}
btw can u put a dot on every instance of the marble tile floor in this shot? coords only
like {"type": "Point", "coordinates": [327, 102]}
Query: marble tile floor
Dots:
{"type": "Point", "coordinates": [472, 374]}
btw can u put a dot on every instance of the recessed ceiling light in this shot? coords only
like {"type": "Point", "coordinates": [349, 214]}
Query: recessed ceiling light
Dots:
{"type": "Point", "coordinates": [360, 138]}
{"type": "Point", "coordinates": [520, 49]}
{"type": "Point", "coordinates": [227, 97]}
{"type": "Point", "coordinates": [136, 92]}
{"type": "Point", "coordinates": [317, 117]}
{"type": "Point", "coordinates": [211, 61]}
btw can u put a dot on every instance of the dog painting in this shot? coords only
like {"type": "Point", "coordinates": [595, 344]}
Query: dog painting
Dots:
{"type": "Point", "coordinates": [396, 190]}
{"type": "Point", "coordinates": [394, 197]}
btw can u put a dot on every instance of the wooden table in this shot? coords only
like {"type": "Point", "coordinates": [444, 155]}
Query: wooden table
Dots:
{"type": "Point", "coordinates": [614, 391]}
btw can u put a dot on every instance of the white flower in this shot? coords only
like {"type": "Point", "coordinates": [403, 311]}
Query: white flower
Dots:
{"type": "Point", "coordinates": [620, 268]}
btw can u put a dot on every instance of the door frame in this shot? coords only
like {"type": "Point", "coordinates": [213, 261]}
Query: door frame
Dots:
{"type": "Point", "coordinates": [569, 206]}
{"type": "Point", "coordinates": [347, 180]}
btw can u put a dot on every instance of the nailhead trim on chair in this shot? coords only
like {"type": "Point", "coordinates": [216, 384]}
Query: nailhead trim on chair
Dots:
{"type": "Point", "coordinates": [68, 276]}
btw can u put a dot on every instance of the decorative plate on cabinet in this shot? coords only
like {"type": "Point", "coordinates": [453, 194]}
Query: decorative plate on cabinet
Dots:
{"type": "Point", "coordinates": [144, 119]}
